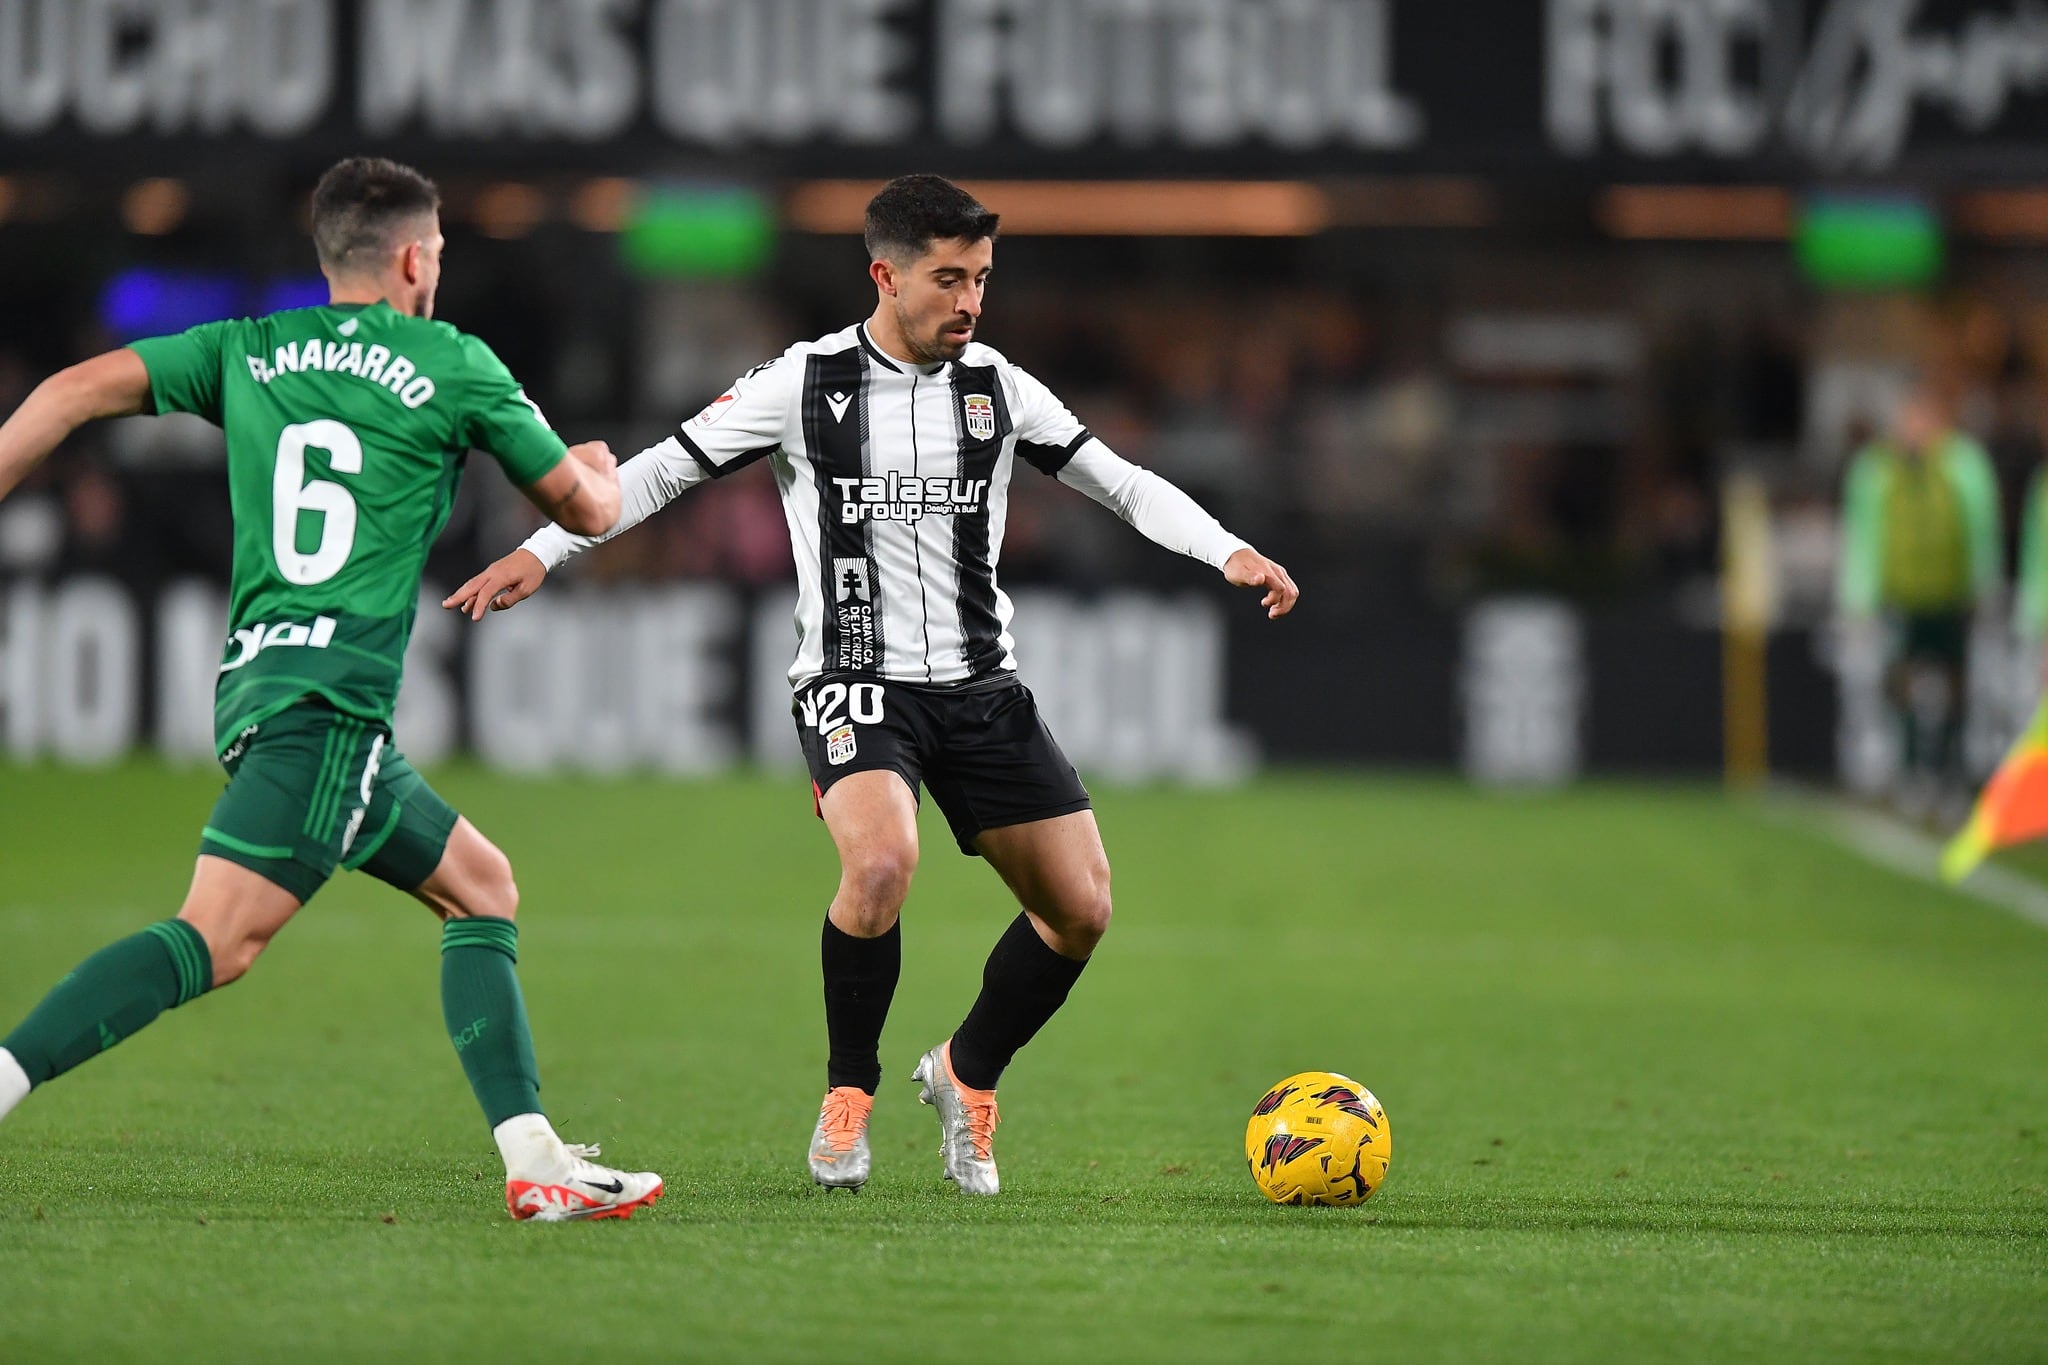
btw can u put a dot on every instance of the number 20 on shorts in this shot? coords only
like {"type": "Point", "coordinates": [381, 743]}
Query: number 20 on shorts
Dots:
{"type": "Point", "coordinates": [821, 705]}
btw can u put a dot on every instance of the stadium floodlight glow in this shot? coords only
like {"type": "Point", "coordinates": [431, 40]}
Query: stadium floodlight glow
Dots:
{"type": "Point", "coordinates": [145, 302]}
{"type": "Point", "coordinates": [154, 207]}
{"type": "Point", "coordinates": [507, 210]}
{"type": "Point", "coordinates": [1420, 201]}
{"type": "Point", "coordinates": [604, 204]}
{"type": "Point", "coordinates": [149, 302]}
{"type": "Point", "coordinates": [1098, 208]}
{"type": "Point", "coordinates": [2010, 215]}
{"type": "Point", "coordinates": [305, 291]}
{"type": "Point", "coordinates": [685, 231]}
{"type": "Point", "coordinates": [1695, 212]}
{"type": "Point", "coordinates": [1872, 241]}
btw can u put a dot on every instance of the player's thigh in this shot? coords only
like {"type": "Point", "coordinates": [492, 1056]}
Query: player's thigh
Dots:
{"type": "Point", "coordinates": [237, 912]}
{"type": "Point", "coordinates": [872, 740]}
{"type": "Point", "coordinates": [1056, 868]}
{"type": "Point", "coordinates": [871, 815]}
{"type": "Point", "coordinates": [998, 766]}
{"type": "Point", "coordinates": [299, 783]}
{"type": "Point", "coordinates": [474, 878]}
{"type": "Point", "coordinates": [419, 844]}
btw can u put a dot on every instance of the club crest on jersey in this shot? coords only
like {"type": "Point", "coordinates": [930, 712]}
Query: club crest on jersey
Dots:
{"type": "Point", "coordinates": [840, 746]}
{"type": "Point", "coordinates": [981, 416]}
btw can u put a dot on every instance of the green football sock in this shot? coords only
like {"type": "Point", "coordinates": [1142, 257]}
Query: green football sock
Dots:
{"type": "Point", "coordinates": [486, 1015]}
{"type": "Point", "coordinates": [111, 995]}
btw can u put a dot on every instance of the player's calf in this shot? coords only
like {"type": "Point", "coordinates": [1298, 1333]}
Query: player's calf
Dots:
{"type": "Point", "coordinates": [229, 915]}
{"type": "Point", "coordinates": [112, 994]}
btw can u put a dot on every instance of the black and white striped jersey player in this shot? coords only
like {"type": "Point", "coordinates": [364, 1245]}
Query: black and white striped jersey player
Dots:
{"type": "Point", "coordinates": [893, 444]}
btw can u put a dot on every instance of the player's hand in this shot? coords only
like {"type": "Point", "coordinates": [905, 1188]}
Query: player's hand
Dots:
{"type": "Point", "coordinates": [598, 457]}
{"type": "Point", "coordinates": [506, 583]}
{"type": "Point", "coordinates": [1250, 569]}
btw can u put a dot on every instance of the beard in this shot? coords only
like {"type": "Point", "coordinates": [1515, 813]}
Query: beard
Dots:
{"type": "Point", "coordinates": [937, 348]}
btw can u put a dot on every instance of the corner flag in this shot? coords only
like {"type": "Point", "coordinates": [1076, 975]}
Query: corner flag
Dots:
{"type": "Point", "coordinates": [2013, 807]}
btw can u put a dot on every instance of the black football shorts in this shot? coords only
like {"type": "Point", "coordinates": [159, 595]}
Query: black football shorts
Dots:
{"type": "Point", "coordinates": [980, 747]}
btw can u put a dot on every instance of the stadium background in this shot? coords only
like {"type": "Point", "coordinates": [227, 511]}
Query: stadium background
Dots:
{"type": "Point", "coordinates": [1472, 315]}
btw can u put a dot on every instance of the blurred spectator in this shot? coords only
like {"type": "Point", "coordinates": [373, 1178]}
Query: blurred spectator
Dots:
{"type": "Point", "coordinates": [2030, 580]}
{"type": "Point", "coordinates": [1921, 552]}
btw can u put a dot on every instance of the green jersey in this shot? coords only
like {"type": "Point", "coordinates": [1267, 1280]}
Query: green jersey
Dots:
{"type": "Point", "coordinates": [1920, 533]}
{"type": "Point", "coordinates": [347, 427]}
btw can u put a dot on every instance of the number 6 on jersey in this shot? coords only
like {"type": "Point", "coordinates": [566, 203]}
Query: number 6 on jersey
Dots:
{"type": "Point", "coordinates": [291, 495]}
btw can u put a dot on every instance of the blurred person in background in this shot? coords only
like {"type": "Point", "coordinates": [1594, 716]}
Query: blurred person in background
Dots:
{"type": "Point", "coordinates": [2030, 579]}
{"type": "Point", "coordinates": [1921, 555]}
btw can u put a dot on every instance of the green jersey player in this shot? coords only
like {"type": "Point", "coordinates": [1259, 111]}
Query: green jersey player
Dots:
{"type": "Point", "coordinates": [347, 427]}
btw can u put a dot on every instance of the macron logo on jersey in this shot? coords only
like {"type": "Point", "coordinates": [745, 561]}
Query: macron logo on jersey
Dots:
{"type": "Point", "coordinates": [906, 497]}
{"type": "Point", "coordinates": [284, 635]}
{"type": "Point", "coordinates": [375, 364]}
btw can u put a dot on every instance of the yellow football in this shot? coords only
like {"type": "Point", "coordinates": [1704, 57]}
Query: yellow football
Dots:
{"type": "Point", "coordinates": [1318, 1138]}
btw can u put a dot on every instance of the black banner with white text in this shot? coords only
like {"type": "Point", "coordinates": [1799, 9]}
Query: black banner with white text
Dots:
{"type": "Point", "coordinates": [1648, 88]}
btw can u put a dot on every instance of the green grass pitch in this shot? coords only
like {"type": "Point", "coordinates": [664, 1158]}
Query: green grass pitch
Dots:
{"type": "Point", "coordinates": [1668, 1081]}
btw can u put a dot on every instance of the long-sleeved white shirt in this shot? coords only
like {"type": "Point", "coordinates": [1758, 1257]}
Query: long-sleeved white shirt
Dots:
{"type": "Point", "coordinates": [895, 483]}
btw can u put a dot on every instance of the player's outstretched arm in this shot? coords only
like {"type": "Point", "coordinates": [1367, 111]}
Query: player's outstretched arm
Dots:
{"type": "Point", "coordinates": [581, 494]}
{"type": "Point", "coordinates": [1169, 517]}
{"type": "Point", "coordinates": [506, 583]}
{"type": "Point", "coordinates": [115, 384]}
{"type": "Point", "coordinates": [646, 483]}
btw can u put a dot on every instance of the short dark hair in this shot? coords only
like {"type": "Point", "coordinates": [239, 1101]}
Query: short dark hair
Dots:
{"type": "Point", "coordinates": [913, 211]}
{"type": "Point", "coordinates": [361, 203]}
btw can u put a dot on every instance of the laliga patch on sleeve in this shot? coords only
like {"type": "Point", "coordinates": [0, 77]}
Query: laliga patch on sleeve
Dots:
{"type": "Point", "coordinates": [716, 409]}
{"type": "Point", "coordinates": [840, 746]}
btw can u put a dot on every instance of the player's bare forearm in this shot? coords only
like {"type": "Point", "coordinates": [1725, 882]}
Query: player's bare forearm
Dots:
{"type": "Point", "coordinates": [111, 385]}
{"type": "Point", "coordinates": [506, 583]}
{"type": "Point", "coordinates": [1247, 568]}
{"type": "Point", "coordinates": [581, 494]}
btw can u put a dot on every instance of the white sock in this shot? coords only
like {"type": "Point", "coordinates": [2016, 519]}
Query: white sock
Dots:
{"type": "Point", "coordinates": [530, 1148]}
{"type": "Point", "coordinates": [14, 1085]}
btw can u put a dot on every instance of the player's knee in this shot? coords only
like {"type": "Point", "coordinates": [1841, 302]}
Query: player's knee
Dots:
{"type": "Point", "coordinates": [878, 882]}
{"type": "Point", "coordinates": [508, 894]}
{"type": "Point", "coordinates": [492, 889]}
{"type": "Point", "coordinates": [505, 887]}
{"type": "Point", "coordinates": [1089, 909]}
{"type": "Point", "coordinates": [233, 955]}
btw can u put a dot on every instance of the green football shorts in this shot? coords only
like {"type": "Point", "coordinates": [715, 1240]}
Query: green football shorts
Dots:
{"type": "Point", "coordinates": [311, 789]}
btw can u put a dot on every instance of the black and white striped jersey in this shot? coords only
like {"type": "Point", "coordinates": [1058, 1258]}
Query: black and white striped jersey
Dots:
{"type": "Point", "coordinates": [895, 482]}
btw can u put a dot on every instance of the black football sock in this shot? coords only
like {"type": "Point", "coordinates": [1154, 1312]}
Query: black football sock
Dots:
{"type": "Point", "coordinates": [1023, 985]}
{"type": "Point", "coordinates": [860, 981]}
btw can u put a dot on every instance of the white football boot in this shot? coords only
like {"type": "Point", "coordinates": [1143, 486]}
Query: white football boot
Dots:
{"type": "Point", "coordinates": [967, 1121]}
{"type": "Point", "coordinates": [839, 1145]}
{"type": "Point", "coordinates": [578, 1187]}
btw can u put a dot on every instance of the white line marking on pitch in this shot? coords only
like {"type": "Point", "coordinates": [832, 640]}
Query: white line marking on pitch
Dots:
{"type": "Point", "coordinates": [1899, 847]}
